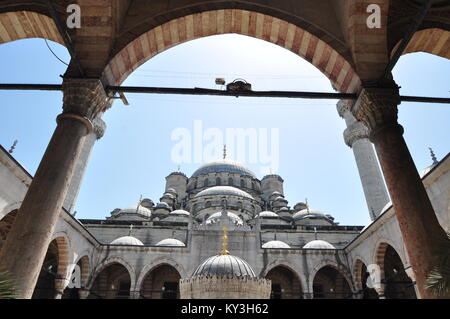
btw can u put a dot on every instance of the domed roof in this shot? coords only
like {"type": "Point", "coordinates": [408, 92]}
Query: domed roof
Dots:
{"type": "Point", "coordinates": [180, 212]}
{"type": "Point", "coordinates": [236, 220]}
{"type": "Point", "coordinates": [127, 241]}
{"type": "Point", "coordinates": [280, 199]}
{"type": "Point", "coordinates": [224, 190]}
{"type": "Point", "coordinates": [223, 165]}
{"type": "Point", "coordinates": [266, 214]}
{"type": "Point", "coordinates": [170, 242]}
{"type": "Point", "coordinates": [220, 265]}
{"type": "Point", "coordinates": [318, 244]}
{"type": "Point", "coordinates": [276, 244]}
{"type": "Point", "coordinates": [163, 205]}
{"type": "Point", "coordinates": [133, 210]}
{"type": "Point", "coordinates": [307, 213]}
{"type": "Point", "coordinates": [171, 190]}
{"type": "Point", "coordinates": [168, 195]}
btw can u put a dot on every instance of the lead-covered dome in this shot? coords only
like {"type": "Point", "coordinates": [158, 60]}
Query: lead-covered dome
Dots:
{"type": "Point", "coordinates": [223, 190]}
{"type": "Point", "coordinates": [266, 214]}
{"type": "Point", "coordinates": [223, 166]}
{"type": "Point", "coordinates": [127, 241]}
{"type": "Point", "coordinates": [276, 244]}
{"type": "Point", "coordinates": [311, 213]}
{"type": "Point", "coordinates": [170, 242]}
{"type": "Point", "coordinates": [318, 244]}
{"type": "Point", "coordinates": [222, 265]}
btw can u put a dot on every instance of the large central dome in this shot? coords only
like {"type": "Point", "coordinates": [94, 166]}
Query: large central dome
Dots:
{"type": "Point", "coordinates": [224, 165]}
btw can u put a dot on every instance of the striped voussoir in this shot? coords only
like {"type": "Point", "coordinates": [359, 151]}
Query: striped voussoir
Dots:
{"type": "Point", "coordinates": [25, 24]}
{"type": "Point", "coordinates": [243, 22]}
{"type": "Point", "coordinates": [434, 41]}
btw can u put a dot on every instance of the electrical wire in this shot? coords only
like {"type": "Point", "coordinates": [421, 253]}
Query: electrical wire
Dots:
{"type": "Point", "coordinates": [54, 53]}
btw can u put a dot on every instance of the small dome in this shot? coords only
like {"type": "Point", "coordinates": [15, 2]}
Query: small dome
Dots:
{"type": "Point", "coordinates": [170, 242]}
{"type": "Point", "coordinates": [224, 190]}
{"type": "Point", "coordinates": [214, 218]}
{"type": "Point", "coordinates": [283, 209]}
{"type": "Point", "coordinates": [127, 241]}
{"type": "Point", "coordinates": [221, 265]}
{"type": "Point", "coordinates": [163, 205]}
{"type": "Point", "coordinates": [280, 199]}
{"type": "Point", "coordinates": [133, 210]}
{"type": "Point", "coordinates": [300, 206]}
{"type": "Point", "coordinates": [171, 191]}
{"type": "Point", "coordinates": [180, 212]}
{"type": "Point", "coordinates": [147, 203]}
{"type": "Point", "coordinates": [275, 244]}
{"type": "Point", "coordinates": [310, 213]}
{"type": "Point", "coordinates": [266, 214]}
{"type": "Point", "coordinates": [318, 244]}
{"type": "Point", "coordinates": [223, 166]}
{"type": "Point", "coordinates": [168, 195]}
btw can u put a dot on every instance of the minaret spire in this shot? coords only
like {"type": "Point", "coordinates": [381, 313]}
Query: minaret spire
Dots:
{"type": "Point", "coordinates": [433, 156]}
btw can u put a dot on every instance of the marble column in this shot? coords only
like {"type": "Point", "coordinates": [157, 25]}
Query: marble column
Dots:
{"type": "Point", "coordinates": [24, 250]}
{"type": "Point", "coordinates": [99, 127]}
{"type": "Point", "coordinates": [356, 136]}
{"type": "Point", "coordinates": [376, 107]}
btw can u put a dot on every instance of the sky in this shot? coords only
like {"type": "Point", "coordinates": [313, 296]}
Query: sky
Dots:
{"type": "Point", "coordinates": [142, 141]}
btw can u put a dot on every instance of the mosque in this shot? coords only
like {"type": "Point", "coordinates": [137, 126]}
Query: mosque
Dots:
{"type": "Point", "coordinates": [225, 233]}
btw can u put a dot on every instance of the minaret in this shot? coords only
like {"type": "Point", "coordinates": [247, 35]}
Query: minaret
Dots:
{"type": "Point", "coordinates": [80, 168]}
{"type": "Point", "coordinates": [357, 138]}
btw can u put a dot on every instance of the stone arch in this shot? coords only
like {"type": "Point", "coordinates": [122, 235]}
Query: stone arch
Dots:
{"type": "Point", "coordinates": [27, 24]}
{"type": "Point", "coordinates": [86, 269]}
{"type": "Point", "coordinates": [9, 208]}
{"type": "Point", "coordinates": [6, 223]}
{"type": "Point", "coordinates": [433, 40]}
{"type": "Point", "coordinates": [329, 263]}
{"type": "Point", "coordinates": [171, 271]}
{"type": "Point", "coordinates": [379, 252]}
{"type": "Point", "coordinates": [357, 274]}
{"type": "Point", "coordinates": [110, 261]}
{"type": "Point", "coordinates": [156, 263]}
{"type": "Point", "coordinates": [244, 22]}
{"type": "Point", "coordinates": [288, 267]}
{"type": "Point", "coordinates": [63, 244]}
{"type": "Point", "coordinates": [389, 276]}
{"type": "Point", "coordinates": [360, 277]}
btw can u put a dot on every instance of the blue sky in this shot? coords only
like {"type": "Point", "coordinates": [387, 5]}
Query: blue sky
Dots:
{"type": "Point", "coordinates": [134, 156]}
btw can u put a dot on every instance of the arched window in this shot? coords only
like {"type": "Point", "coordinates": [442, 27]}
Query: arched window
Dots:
{"type": "Point", "coordinates": [205, 183]}
{"type": "Point", "coordinates": [218, 182]}
{"type": "Point", "coordinates": [208, 204]}
{"type": "Point", "coordinates": [242, 183]}
{"type": "Point", "coordinates": [253, 185]}
{"type": "Point", "coordinates": [230, 181]}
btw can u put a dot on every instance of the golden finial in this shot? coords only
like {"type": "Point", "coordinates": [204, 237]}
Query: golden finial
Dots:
{"type": "Point", "coordinates": [225, 242]}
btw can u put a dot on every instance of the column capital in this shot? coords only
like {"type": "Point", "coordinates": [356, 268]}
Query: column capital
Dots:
{"type": "Point", "coordinates": [86, 98]}
{"type": "Point", "coordinates": [99, 127]}
{"type": "Point", "coordinates": [354, 132]}
{"type": "Point", "coordinates": [342, 107]}
{"type": "Point", "coordinates": [376, 107]}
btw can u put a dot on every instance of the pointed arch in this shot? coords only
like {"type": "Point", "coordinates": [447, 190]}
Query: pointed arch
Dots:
{"type": "Point", "coordinates": [250, 23]}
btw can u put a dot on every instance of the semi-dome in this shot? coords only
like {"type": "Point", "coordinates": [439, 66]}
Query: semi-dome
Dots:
{"type": "Point", "coordinates": [224, 190]}
{"type": "Point", "coordinates": [275, 244]}
{"type": "Point", "coordinates": [127, 241]}
{"type": "Point", "coordinates": [180, 212]}
{"type": "Point", "coordinates": [223, 166]}
{"type": "Point", "coordinates": [170, 242]}
{"type": "Point", "coordinates": [214, 218]}
{"type": "Point", "coordinates": [280, 199]}
{"type": "Point", "coordinates": [222, 265]}
{"type": "Point", "coordinates": [171, 191]}
{"type": "Point", "coordinates": [265, 214]}
{"type": "Point", "coordinates": [168, 195]}
{"type": "Point", "coordinates": [318, 244]}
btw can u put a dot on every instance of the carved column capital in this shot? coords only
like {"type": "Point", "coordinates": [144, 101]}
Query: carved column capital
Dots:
{"type": "Point", "coordinates": [84, 99]}
{"type": "Point", "coordinates": [354, 132]}
{"type": "Point", "coordinates": [377, 108]}
{"type": "Point", "coordinates": [342, 107]}
{"type": "Point", "coordinates": [99, 127]}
